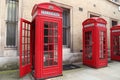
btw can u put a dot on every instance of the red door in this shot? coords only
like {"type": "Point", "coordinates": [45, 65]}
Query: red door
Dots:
{"type": "Point", "coordinates": [115, 44]}
{"type": "Point", "coordinates": [88, 46]}
{"type": "Point", "coordinates": [25, 56]}
{"type": "Point", "coordinates": [52, 47]}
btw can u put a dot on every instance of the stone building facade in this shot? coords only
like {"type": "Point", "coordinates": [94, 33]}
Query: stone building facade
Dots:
{"type": "Point", "coordinates": [74, 13]}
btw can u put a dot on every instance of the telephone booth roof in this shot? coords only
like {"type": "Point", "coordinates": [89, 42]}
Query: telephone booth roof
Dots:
{"type": "Point", "coordinates": [46, 6]}
{"type": "Point", "coordinates": [94, 20]}
{"type": "Point", "coordinates": [116, 27]}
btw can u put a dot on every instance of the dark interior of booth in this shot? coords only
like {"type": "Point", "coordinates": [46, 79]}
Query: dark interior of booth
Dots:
{"type": "Point", "coordinates": [33, 44]}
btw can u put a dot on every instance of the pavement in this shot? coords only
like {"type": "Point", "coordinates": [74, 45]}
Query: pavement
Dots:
{"type": "Point", "coordinates": [111, 72]}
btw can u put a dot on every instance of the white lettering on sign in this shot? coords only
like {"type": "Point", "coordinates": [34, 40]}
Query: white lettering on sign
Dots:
{"type": "Point", "coordinates": [89, 25]}
{"type": "Point", "coordinates": [115, 30]}
{"type": "Point", "coordinates": [44, 12]}
{"type": "Point", "coordinates": [101, 25]}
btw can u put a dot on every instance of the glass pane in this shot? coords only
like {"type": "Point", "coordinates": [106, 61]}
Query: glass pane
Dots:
{"type": "Point", "coordinates": [45, 47]}
{"type": "Point", "coordinates": [23, 57]}
{"type": "Point", "coordinates": [56, 32]}
{"type": "Point", "coordinates": [29, 57]}
{"type": "Point", "coordinates": [46, 58]}
{"type": "Point", "coordinates": [45, 39]}
{"type": "Point", "coordinates": [46, 25]}
{"type": "Point", "coordinates": [64, 36]}
{"type": "Point", "coordinates": [51, 54]}
{"type": "Point", "coordinates": [12, 10]}
{"type": "Point", "coordinates": [51, 47]}
{"type": "Point", "coordinates": [23, 47]}
{"type": "Point", "coordinates": [50, 32]}
{"type": "Point", "coordinates": [88, 44]}
{"type": "Point", "coordinates": [50, 39]}
{"type": "Point", "coordinates": [66, 17]}
{"type": "Point", "coordinates": [29, 39]}
{"type": "Point", "coordinates": [12, 17]}
{"type": "Point", "coordinates": [102, 44]}
{"type": "Point", "coordinates": [28, 26]}
{"type": "Point", "coordinates": [46, 32]}
{"type": "Point", "coordinates": [11, 34]}
{"type": "Point", "coordinates": [55, 54]}
{"type": "Point", "coordinates": [29, 33]}
{"type": "Point", "coordinates": [56, 25]}
{"type": "Point", "coordinates": [51, 25]}
{"type": "Point", "coordinates": [23, 61]}
{"type": "Point", "coordinates": [28, 47]}
{"type": "Point", "coordinates": [26, 39]}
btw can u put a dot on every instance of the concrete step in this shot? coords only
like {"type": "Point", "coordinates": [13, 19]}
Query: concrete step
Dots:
{"type": "Point", "coordinates": [69, 57]}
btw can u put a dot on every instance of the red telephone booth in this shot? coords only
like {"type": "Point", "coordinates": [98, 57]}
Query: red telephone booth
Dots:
{"type": "Point", "coordinates": [41, 42]}
{"type": "Point", "coordinates": [95, 42]}
{"type": "Point", "coordinates": [115, 42]}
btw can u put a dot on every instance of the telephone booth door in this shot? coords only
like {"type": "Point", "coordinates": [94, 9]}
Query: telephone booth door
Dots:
{"type": "Point", "coordinates": [52, 47]}
{"type": "Point", "coordinates": [115, 43]}
{"type": "Point", "coordinates": [25, 51]}
{"type": "Point", "coordinates": [88, 46]}
{"type": "Point", "coordinates": [95, 42]}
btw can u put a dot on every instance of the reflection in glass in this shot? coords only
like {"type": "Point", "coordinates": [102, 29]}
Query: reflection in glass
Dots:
{"type": "Point", "coordinates": [88, 44]}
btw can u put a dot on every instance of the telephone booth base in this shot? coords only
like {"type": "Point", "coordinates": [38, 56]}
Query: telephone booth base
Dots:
{"type": "Point", "coordinates": [116, 58]}
{"type": "Point", "coordinates": [97, 65]}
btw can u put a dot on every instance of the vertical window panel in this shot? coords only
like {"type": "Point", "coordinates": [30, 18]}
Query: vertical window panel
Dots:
{"type": "Point", "coordinates": [102, 44]}
{"type": "Point", "coordinates": [25, 44]}
{"type": "Point", "coordinates": [116, 47]}
{"type": "Point", "coordinates": [66, 27]}
{"type": "Point", "coordinates": [88, 44]}
{"type": "Point", "coordinates": [12, 17]}
{"type": "Point", "coordinates": [11, 34]}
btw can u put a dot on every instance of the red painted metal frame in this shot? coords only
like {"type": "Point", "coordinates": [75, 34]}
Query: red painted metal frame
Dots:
{"type": "Point", "coordinates": [25, 52]}
{"type": "Point", "coordinates": [91, 24]}
{"type": "Point", "coordinates": [114, 31]}
{"type": "Point", "coordinates": [44, 12]}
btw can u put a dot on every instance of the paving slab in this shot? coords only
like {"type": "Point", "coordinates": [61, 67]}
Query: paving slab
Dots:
{"type": "Point", "coordinates": [111, 72]}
